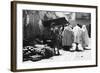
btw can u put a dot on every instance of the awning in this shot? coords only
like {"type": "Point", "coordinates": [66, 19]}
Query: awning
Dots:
{"type": "Point", "coordinates": [55, 22]}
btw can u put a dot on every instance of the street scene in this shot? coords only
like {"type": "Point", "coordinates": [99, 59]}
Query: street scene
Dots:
{"type": "Point", "coordinates": [52, 36]}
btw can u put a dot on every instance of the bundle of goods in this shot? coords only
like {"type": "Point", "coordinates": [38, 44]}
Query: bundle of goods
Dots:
{"type": "Point", "coordinates": [37, 53]}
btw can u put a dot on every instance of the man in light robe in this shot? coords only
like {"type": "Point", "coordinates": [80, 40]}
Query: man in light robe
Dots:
{"type": "Point", "coordinates": [78, 39]}
{"type": "Point", "coordinates": [67, 37]}
{"type": "Point", "coordinates": [85, 37]}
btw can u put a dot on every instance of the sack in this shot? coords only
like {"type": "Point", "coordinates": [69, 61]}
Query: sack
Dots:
{"type": "Point", "coordinates": [35, 57]}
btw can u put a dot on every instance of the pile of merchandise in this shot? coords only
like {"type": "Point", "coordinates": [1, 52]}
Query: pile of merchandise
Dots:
{"type": "Point", "coordinates": [37, 52]}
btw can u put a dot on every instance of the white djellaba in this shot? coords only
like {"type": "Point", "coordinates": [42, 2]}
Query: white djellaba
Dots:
{"type": "Point", "coordinates": [78, 38]}
{"type": "Point", "coordinates": [85, 37]}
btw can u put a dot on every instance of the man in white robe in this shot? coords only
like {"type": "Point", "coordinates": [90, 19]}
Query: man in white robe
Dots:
{"type": "Point", "coordinates": [78, 38]}
{"type": "Point", "coordinates": [85, 37]}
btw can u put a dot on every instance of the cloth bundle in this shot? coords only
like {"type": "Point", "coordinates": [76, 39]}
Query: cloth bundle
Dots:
{"type": "Point", "coordinates": [37, 53]}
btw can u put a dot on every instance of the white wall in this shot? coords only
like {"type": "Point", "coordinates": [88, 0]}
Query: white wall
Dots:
{"type": "Point", "coordinates": [5, 37]}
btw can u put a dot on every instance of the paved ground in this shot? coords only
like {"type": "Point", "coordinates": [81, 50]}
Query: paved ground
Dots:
{"type": "Point", "coordinates": [61, 60]}
{"type": "Point", "coordinates": [69, 56]}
